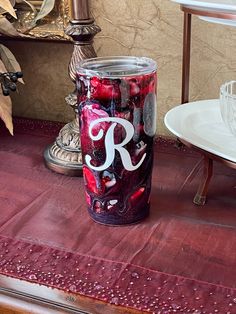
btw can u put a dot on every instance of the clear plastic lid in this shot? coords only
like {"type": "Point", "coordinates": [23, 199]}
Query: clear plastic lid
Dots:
{"type": "Point", "coordinates": [115, 67]}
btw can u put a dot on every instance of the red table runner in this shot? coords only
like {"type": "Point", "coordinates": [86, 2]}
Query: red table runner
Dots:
{"type": "Point", "coordinates": [181, 259]}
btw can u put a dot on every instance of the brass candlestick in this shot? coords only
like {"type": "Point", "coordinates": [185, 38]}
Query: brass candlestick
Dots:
{"type": "Point", "coordinates": [64, 155]}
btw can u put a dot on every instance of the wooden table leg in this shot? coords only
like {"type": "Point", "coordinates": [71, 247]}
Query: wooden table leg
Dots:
{"type": "Point", "coordinates": [186, 57]}
{"type": "Point", "coordinates": [200, 197]}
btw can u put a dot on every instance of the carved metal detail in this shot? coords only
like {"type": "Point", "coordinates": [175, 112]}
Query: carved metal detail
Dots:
{"type": "Point", "coordinates": [84, 29]}
{"type": "Point", "coordinates": [68, 137]}
{"type": "Point", "coordinates": [80, 52]}
{"type": "Point", "coordinates": [64, 156]}
{"type": "Point", "coordinates": [71, 100]}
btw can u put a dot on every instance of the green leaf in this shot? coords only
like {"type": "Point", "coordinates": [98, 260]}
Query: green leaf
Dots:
{"type": "Point", "coordinates": [9, 61]}
{"type": "Point", "coordinates": [6, 106]}
{"type": "Point", "coordinates": [7, 6]}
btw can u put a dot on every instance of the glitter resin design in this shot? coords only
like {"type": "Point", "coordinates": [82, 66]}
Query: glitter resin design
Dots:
{"type": "Point", "coordinates": [117, 115]}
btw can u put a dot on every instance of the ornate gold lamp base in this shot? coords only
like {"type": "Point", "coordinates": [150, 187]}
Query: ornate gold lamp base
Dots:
{"type": "Point", "coordinates": [64, 155]}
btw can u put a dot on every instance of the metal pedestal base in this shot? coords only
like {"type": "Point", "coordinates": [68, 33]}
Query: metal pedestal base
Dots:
{"type": "Point", "coordinates": [64, 155]}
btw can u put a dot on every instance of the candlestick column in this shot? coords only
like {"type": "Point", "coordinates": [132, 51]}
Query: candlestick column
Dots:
{"type": "Point", "coordinates": [64, 155]}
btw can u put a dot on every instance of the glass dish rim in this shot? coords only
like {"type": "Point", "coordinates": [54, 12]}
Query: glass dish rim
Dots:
{"type": "Point", "coordinates": [224, 92]}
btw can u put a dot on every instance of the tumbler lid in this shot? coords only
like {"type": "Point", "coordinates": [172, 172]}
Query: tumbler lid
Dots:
{"type": "Point", "coordinates": [115, 67]}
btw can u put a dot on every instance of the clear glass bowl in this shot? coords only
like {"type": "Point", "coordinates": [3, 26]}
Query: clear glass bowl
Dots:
{"type": "Point", "coordinates": [228, 105]}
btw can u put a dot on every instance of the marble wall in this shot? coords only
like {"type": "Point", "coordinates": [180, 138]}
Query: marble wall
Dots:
{"type": "Point", "coordinates": [151, 28]}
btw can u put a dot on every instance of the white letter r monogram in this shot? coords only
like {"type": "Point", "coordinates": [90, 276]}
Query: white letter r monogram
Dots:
{"type": "Point", "coordinates": [110, 146]}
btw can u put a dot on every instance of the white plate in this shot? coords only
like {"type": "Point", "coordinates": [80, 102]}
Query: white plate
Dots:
{"type": "Point", "coordinates": [200, 124]}
{"type": "Point", "coordinates": [225, 5]}
{"type": "Point", "coordinates": [218, 21]}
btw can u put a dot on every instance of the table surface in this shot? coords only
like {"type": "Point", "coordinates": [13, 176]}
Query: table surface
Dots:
{"type": "Point", "coordinates": [52, 253]}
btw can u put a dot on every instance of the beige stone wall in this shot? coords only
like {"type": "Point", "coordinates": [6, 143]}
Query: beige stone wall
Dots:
{"type": "Point", "coordinates": [45, 68]}
{"type": "Point", "coordinates": [151, 28]}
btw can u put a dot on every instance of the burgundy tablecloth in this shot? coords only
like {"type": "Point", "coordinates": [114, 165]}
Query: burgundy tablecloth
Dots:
{"type": "Point", "coordinates": [181, 259]}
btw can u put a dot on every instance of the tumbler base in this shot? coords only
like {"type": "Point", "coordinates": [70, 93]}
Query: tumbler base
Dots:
{"type": "Point", "coordinates": [118, 221]}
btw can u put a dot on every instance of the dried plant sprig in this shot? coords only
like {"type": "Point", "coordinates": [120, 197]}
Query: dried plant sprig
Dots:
{"type": "Point", "coordinates": [8, 81]}
{"type": "Point", "coordinates": [5, 105]}
{"type": "Point", "coordinates": [10, 71]}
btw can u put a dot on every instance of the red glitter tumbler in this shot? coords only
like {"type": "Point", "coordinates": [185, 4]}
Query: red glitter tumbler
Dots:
{"type": "Point", "coordinates": [117, 115]}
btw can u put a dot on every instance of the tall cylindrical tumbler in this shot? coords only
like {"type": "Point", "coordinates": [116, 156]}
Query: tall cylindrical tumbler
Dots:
{"type": "Point", "coordinates": [117, 116]}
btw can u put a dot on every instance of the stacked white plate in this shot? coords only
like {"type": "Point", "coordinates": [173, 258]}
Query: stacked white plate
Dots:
{"type": "Point", "coordinates": [223, 6]}
{"type": "Point", "coordinates": [200, 124]}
